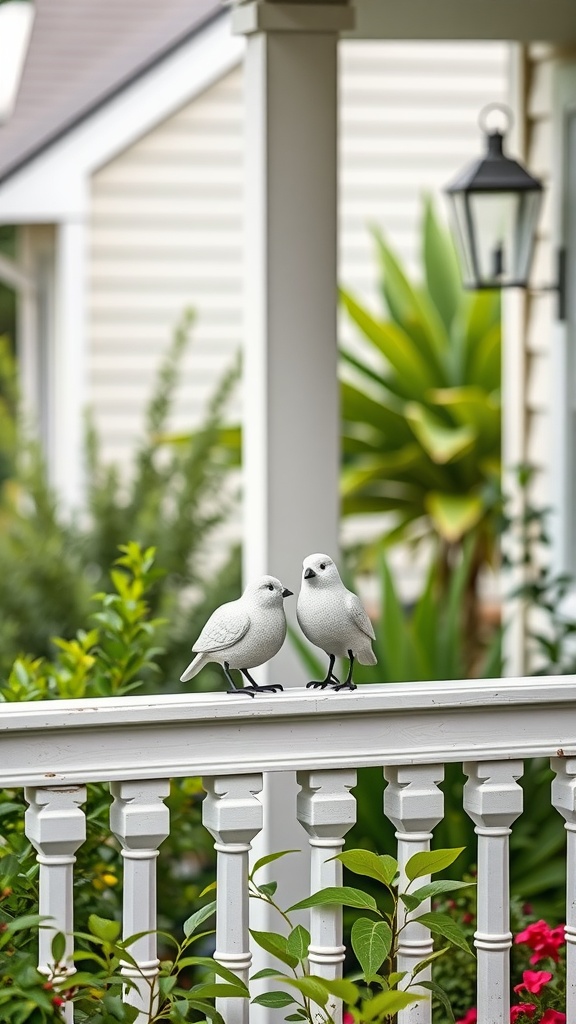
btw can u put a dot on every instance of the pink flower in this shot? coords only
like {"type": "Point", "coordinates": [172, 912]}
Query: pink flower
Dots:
{"type": "Point", "coordinates": [529, 1009]}
{"type": "Point", "coordinates": [470, 1017]}
{"type": "Point", "coordinates": [553, 1017]}
{"type": "Point", "coordinates": [544, 940]}
{"type": "Point", "coordinates": [348, 1018]}
{"type": "Point", "coordinates": [534, 981]}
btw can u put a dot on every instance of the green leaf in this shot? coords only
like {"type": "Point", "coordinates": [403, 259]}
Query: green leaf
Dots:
{"type": "Point", "coordinates": [358, 407]}
{"type": "Point", "coordinates": [363, 862]}
{"type": "Point", "coordinates": [268, 859]}
{"type": "Point", "coordinates": [104, 929]}
{"type": "Point", "coordinates": [371, 942]}
{"type": "Point", "coordinates": [343, 989]}
{"type": "Point", "coordinates": [195, 920]}
{"type": "Point", "coordinates": [266, 972]}
{"type": "Point", "coordinates": [311, 988]}
{"type": "Point", "coordinates": [441, 266]}
{"type": "Point", "coordinates": [430, 959]}
{"type": "Point", "coordinates": [215, 968]}
{"type": "Point", "coordinates": [275, 1000]}
{"type": "Point", "coordinates": [343, 896]}
{"type": "Point", "coordinates": [298, 942]}
{"type": "Point", "coordinates": [207, 889]}
{"type": "Point", "coordinates": [267, 888]}
{"type": "Point", "coordinates": [442, 924]}
{"type": "Point", "coordinates": [58, 947]}
{"type": "Point", "coordinates": [435, 888]}
{"type": "Point", "coordinates": [398, 347]}
{"type": "Point", "coordinates": [454, 514]}
{"type": "Point", "coordinates": [387, 1004]}
{"type": "Point", "coordinates": [440, 996]}
{"type": "Point", "coordinates": [413, 310]}
{"type": "Point", "coordinates": [20, 924]}
{"type": "Point", "coordinates": [442, 442]}
{"type": "Point", "coordinates": [275, 944]}
{"type": "Point", "coordinates": [219, 990]}
{"type": "Point", "coordinates": [396, 977]}
{"type": "Point", "coordinates": [430, 861]}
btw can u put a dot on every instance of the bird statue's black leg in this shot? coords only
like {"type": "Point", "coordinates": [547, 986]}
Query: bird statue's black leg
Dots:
{"type": "Point", "coordinates": [322, 683]}
{"type": "Point", "coordinates": [233, 687]}
{"type": "Point", "coordinates": [254, 688]}
{"type": "Point", "coordinates": [348, 684]}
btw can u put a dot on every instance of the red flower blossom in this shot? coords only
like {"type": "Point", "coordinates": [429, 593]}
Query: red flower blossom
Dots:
{"type": "Point", "coordinates": [544, 940]}
{"type": "Point", "coordinates": [534, 981]}
{"type": "Point", "coordinates": [529, 1009]}
{"type": "Point", "coordinates": [553, 1017]}
{"type": "Point", "coordinates": [470, 1017]}
{"type": "Point", "coordinates": [348, 1018]}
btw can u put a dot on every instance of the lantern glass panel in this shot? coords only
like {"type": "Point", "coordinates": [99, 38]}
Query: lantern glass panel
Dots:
{"type": "Point", "coordinates": [503, 226]}
{"type": "Point", "coordinates": [463, 237]}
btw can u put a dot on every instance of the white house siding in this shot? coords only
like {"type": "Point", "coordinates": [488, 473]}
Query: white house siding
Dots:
{"type": "Point", "coordinates": [166, 218]}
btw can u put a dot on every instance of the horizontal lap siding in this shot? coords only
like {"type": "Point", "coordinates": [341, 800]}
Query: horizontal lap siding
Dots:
{"type": "Point", "coordinates": [166, 227]}
{"type": "Point", "coordinates": [167, 235]}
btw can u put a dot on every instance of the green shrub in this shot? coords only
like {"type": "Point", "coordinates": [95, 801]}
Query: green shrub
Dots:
{"type": "Point", "coordinates": [173, 499]}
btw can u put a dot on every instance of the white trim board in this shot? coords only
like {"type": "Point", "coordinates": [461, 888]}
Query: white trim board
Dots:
{"type": "Point", "coordinates": [561, 400]}
{"type": "Point", "coordinates": [54, 186]}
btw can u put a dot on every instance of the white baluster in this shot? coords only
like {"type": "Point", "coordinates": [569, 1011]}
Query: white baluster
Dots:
{"type": "Point", "coordinates": [564, 800]}
{"type": "Point", "coordinates": [233, 814]}
{"type": "Point", "coordinates": [327, 810]}
{"type": "Point", "coordinates": [56, 826]}
{"type": "Point", "coordinates": [140, 821]}
{"type": "Point", "coordinates": [493, 799]}
{"type": "Point", "coordinates": [414, 805]}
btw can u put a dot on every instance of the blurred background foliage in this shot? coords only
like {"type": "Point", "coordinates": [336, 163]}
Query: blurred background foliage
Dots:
{"type": "Point", "coordinates": [175, 499]}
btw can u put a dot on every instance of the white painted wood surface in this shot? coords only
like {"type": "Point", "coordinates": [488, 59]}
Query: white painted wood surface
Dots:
{"type": "Point", "coordinates": [140, 821]}
{"type": "Point", "coordinates": [326, 809]}
{"type": "Point", "coordinates": [564, 800]}
{"type": "Point", "coordinates": [233, 814]}
{"type": "Point", "coordinates": [409, 729]}
{"type": "Point", "coordinates": [415, 805]}
{"type": "Point", "coordinates": [182, 735]}
{"type": "Point", "coordinates": [493, 799]}
{"type": "Point", "coordinates": [56, 826]}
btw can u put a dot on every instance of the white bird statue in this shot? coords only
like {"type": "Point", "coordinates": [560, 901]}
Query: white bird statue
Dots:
{"type": "Point", "coordinates": [334, 619]}
{"type": "Point", "coordinates": [243, 634]}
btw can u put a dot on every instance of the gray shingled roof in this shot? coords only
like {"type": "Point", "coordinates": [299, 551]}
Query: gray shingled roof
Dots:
{"type": "Point", "coordinates": [81, 53]}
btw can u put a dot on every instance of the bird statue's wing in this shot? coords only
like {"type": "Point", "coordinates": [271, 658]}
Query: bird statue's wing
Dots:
{"type": "Point", "coordinates": [225, 627]}
{"type": "Point", "coordinates": [359, 614]}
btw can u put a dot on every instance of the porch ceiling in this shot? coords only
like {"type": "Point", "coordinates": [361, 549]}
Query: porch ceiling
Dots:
{"type": "Point", "coordinates": [521, 21]}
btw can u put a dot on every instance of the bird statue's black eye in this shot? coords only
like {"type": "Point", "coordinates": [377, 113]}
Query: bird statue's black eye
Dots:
{"type": "Point", "coordinates": [270, 587]}
{"type": "Point", "coordinates": [322, 565]}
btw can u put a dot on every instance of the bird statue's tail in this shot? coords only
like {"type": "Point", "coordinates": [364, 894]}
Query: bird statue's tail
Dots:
{"type": "Point", "coordinates": [193, 668]}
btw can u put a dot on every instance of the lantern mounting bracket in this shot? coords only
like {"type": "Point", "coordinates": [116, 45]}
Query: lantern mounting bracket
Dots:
{"type": "Point", "coordinates": [560, 285]}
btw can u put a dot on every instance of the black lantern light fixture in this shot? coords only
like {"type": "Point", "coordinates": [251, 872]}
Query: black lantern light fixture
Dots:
{"type": "Point", "coordinates": [495, 207]}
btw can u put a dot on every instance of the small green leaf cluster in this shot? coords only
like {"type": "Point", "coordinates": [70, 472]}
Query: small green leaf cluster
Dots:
{"type": "Point", "coordinates": [99, 988]}
{"type": "Point", "coordinates": [378, 991]}
{"type": "Point", "coordinates": [110, 659]}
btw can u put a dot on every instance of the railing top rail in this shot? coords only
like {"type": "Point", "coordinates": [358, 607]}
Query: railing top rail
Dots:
{"type": "Point", "coordinates": [71, 741]}
{"type": "Point", "coordinates": [291, 703]}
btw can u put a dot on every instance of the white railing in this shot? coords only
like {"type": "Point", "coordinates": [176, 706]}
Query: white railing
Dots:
{"type": "Point", "coordinates": [138, 744]}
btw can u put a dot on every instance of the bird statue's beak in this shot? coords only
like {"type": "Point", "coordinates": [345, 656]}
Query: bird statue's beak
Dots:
{"type": "Point", "coordinates": [287, 593]}
{"type": "Point", "coordinates": [309, 574]}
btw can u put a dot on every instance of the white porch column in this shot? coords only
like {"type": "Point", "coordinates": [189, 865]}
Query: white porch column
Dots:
{"type": "Point", "coordinates": [67, 363]}
{"type": "Point", "coordinates": [291, 422]}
